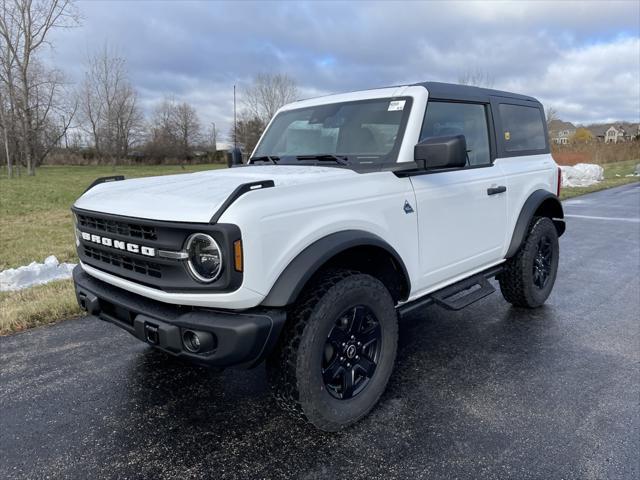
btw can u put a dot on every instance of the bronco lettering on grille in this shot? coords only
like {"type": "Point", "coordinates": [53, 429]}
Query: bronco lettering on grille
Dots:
{"type": "Point", "coordinates": [118, 244]}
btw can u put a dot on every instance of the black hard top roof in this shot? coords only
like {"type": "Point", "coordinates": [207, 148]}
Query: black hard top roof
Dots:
{"type": "Point", "coordinates": [453, 91]}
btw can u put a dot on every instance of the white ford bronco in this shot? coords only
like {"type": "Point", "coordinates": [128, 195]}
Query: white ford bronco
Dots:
{"type": "Point", "coordinates": [353, 209]}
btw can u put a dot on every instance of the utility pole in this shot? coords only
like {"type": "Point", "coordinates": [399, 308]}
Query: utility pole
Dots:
{"type": "Point", "coordinates": [214, 139]}
{"type": "Point", "coordinates": [235, 124]}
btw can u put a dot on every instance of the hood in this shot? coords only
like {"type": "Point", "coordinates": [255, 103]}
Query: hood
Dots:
{"type": "Point", "coordinates": [194, 197]}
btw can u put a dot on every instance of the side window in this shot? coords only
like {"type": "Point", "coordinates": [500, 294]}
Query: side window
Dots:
{"type": "Point", "coordinates": [468, 119]}
{"type": "Point", "coordinates": [523, 128]}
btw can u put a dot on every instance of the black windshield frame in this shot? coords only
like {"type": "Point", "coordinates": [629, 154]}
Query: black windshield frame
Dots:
{"type": "Point", "coordinates": [362, 162]}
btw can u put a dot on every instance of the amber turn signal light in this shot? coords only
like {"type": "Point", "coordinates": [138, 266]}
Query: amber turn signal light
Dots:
{"type": "Point", "coordinates": [237, 255]}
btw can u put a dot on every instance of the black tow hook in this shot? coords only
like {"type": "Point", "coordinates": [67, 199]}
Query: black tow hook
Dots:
{"type": "Point", "coordinates": [89, 302]}
{"type": "Point", "coordinates": [151, 334]}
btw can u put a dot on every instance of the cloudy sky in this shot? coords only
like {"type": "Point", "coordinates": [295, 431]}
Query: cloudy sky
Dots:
{"type": "Point", "coordinates": [580, 57]}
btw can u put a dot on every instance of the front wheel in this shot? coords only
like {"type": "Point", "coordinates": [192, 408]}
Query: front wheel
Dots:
{"type": "Point", "coordinates": [337, 351]}
{"type": "Point", "coordinates": [529, 276]}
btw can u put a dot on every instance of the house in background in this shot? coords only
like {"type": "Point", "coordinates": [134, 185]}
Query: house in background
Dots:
{"type": "Point", "coordinates": [561, 132]}
{"type": "Point", "coordinates": [626, 132]}
{"type": "Point", "coordinates": [614, 134]}
{"type": "Point", "coordinates": [598, 131]}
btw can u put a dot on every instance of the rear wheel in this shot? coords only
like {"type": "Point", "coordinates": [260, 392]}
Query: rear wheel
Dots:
{"type": "Point", "coordinates": [337, 351]}
{"type": "Point", "coordinates": [529, 276]}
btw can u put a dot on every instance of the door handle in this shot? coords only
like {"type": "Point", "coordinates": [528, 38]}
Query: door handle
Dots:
{"type": "Point", "coordinates": [496, 190]}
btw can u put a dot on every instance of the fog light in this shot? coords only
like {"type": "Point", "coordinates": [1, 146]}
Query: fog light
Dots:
{"type": "Point", "coordinates": [198, 342]}
{"type": "Point", "coordinates": [191, 341]}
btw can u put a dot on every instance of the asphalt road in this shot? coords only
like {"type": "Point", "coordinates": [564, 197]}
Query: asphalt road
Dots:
{"type": "Point", "coordinates": [489, 392]}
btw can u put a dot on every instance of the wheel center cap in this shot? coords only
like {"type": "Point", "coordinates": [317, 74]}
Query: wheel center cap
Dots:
{"type": "Point", "coordinates": [350, 351]}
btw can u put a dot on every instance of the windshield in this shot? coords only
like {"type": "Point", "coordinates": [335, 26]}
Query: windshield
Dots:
{"type": "Point", "coordinates": [368, 131]}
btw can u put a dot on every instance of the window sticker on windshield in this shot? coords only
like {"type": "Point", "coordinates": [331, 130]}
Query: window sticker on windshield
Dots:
{"type": "Point", "coordinates": [507, 135]}
{"type": "Point", "coordinates": [396, 105]}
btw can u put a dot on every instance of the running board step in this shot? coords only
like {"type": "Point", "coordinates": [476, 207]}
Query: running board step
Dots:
{"type": "Point", "coordinates": [464, 293]}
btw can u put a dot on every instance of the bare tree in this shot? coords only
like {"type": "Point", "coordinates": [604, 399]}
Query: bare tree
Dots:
{"type": "Point", "coordinates": [175, 129]}
{"type": "Point", "coordinates": [552, 114]}
{"type": "Point", "coordinates": [7, 100]}
{"type": "Point", "coordinates": [476, 77]}
{"type": "Point", "coordinates": [267, 94]}
{"type": "Point", "coordinates": [53, 111]}
{"type": "Point", "coordinates": [247, 132]}
{"type": "Point", "coordinates": [187, 125]}
{"type": "Point", "coordinates": [109, 105]}
{"type": "Point", "coordinates": [33, 91]}
{"type": "Point", "coordinates": [261, 101]}
{"type": "Point", "coordinates": [7, 124]}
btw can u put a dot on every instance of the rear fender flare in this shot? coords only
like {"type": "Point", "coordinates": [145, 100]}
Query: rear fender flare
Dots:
{"type": "Point", "coordinates": [546, 204]}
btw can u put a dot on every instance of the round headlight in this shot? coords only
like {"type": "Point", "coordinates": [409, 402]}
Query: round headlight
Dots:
{"type": "Point", "coordinates": [205, 257]}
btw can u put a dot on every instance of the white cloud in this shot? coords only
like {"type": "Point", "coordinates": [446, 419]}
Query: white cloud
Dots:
{"type": "Point", "coordinates": [582, 58]}
{"type": "Point", "coordinates": [594, 83]}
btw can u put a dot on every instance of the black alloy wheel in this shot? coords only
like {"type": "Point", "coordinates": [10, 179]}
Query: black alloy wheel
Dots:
{"type": "Point", "coordinates": [337, 349]}
{"type": "Point", "coordinates": [528, 277]}
{"type": "Point", "coordinates": [542, 262]}
{"type": "Point", "coordinates": [351, 352]}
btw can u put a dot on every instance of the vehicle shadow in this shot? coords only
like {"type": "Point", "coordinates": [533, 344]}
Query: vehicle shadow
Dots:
{"type": "Point", "coordinates": [208, 417]}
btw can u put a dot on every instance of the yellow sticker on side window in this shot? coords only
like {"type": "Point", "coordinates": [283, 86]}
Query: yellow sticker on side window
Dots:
{"type": "Point", "coordinates": [507, 135]}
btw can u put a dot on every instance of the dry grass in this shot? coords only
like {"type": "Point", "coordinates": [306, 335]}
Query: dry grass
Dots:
{"type": "Point", "coordinates": [35, 221]}
{"type": "Point", "coordinates": [600, 153]}
{"type": "Point", "coordinates": [34, 236]}
{"type": "Point", "coordinates": [35, 217]}
{"type": "Point", "coordinates": [36, 306]}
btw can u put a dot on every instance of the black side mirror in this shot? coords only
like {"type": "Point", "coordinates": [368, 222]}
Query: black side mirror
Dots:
{"type": "Point", "coordinates": [441, 152]}
{"type": "Point", "coordinates": [234, 157]}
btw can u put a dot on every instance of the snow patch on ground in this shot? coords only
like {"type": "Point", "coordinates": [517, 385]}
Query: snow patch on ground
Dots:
{"type": "Point", "coordinates": [582, 175]}
{"type": "Point", "coordinates": [34, 274]}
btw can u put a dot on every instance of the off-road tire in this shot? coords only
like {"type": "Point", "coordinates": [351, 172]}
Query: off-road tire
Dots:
{"type": "Point", "coordinates": [294, 368]}
{"type": "Point", "coordinates": [517, 278]}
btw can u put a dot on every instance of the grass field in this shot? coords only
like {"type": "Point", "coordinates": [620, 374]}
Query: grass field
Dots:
{"type": "Point", "coordinates": [35, 222]}
{"type": "Point", "coordinates": [35, 306]}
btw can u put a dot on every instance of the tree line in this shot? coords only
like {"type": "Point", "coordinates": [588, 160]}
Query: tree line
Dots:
{"type": "Point", "coordinates": [35, 106]}
{"type": "Point", "coordinates": [42, 112]}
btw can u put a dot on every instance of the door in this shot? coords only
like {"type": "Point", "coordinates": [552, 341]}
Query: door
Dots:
{"type": "Point", "coordinates": [462, 214]}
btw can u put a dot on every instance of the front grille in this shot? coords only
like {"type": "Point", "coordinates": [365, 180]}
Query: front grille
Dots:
{"type": "Point", "coordinates": [123, 261]}
{"type": "Point", "coordinates": [120, 228]}
{"type": "Point", "coordinates": [152, 271]}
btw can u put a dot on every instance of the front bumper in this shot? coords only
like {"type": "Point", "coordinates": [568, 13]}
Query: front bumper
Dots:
{"type": "Point", "coordinates": [239, 338]}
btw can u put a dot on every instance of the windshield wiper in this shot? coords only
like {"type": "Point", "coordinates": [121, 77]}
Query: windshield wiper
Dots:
{"type": "Point", "coordinates": [326, 157]}
{"type": "Point", "coordinates": [265, 158]}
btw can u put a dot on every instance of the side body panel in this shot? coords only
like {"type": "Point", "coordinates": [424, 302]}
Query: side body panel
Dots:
{"type": "Point", "coordinates": [287, 220]}
{"type": "Point", "coordinates": [461, 227]}
{"type": "Point", "coordinates": [525, 171]}
{"type": "Point", "coordinates": [524, 175]}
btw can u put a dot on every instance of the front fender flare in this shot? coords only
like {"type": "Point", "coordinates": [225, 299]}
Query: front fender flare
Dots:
{"type": "Point", "coordinates": [295, 276]}
{"type": "Point", "coordinates": [552, 208]}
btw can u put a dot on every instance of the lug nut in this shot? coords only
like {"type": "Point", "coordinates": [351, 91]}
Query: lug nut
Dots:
{"type": "Point", "coordinates": [344, 344]}
{"type": "Point", "coordinates": [342, 359]}
{"type": "Point", "coordinates": [357, 357]}
{"type": "Point", "coordinates": [353, 337]}
{"type": "Point", "coordinates": [348, 365]}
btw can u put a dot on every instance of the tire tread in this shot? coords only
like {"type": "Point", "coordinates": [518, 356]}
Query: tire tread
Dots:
{"type": "Point", "coordinates": [512, 282]}
{"type": "Point", "coordinates": [281, 365]}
